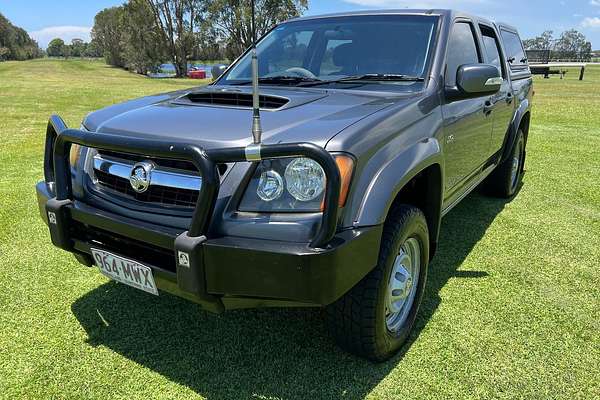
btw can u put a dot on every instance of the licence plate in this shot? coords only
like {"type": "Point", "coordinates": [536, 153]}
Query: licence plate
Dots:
{"type": "Point", "coordinates": [124, 270]}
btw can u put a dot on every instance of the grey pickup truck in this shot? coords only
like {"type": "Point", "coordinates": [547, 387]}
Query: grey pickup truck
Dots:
{"type": "Point", "coordinates": [373, 126]}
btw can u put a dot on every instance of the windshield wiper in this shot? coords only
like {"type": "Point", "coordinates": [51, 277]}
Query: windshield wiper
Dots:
{"type": "Point", "coordinates": [370, 77]}
{"type": "Point", "coordinates": [287, 79]}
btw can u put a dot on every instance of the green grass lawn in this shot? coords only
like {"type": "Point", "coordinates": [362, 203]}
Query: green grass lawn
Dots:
{"type": "Point", "coordinates": [511, 310]}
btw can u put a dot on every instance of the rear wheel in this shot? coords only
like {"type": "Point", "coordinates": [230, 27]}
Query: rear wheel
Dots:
{"type": "Point", "coordinates": [375, 317]}
{"type": "Point", "coordinates": [507, 177]}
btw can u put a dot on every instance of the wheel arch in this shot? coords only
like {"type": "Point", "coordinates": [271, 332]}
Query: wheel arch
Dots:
{"type": "Point", "coordinates": [424, 191]}
{"type": "Point", "coordinates": [413, 177]}
{"type": "Point", "coordinates": [521, 121]}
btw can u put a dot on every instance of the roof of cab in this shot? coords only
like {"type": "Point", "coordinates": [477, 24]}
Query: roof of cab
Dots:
{"type": "Point", "coordinates": [448, 13]}
{"type": "Point", "coordinates": [376, 12]}
{"type": "Point", "coordinates": [402, 11]}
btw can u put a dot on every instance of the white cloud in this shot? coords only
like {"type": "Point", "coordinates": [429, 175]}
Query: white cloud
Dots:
{"type": "Point", "coordinates": [66, 33]}
{"type": "Point", "coordinates": [595, 3]}
{"type": "Point", "coordinates": [591, 22]}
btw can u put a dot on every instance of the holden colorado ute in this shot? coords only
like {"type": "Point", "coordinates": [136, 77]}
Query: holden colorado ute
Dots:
{"type": "Point", "coordinates": [367, 128]}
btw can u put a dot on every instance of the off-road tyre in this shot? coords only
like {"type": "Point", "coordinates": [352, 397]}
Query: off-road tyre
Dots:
{"type": "Point", "coordinates": [357, 321]}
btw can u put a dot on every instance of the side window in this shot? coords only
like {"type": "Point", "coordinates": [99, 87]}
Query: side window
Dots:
{"type": "Point", "coordinates": [462, 49]}
{"type": "Point", "coordinates": [514, 50]}
{"type": "Point", "coordinates": [492, 49]}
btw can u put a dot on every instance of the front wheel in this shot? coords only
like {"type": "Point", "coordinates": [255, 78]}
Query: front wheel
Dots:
{"type": "Point", "coordinates": [375, 317]}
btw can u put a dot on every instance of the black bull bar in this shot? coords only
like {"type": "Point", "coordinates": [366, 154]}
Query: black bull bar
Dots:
{"type": "Point", "coordinates": [188, 245]}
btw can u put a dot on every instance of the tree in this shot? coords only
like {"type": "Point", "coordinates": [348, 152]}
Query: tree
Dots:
{"type": "Point", "coordinates": [56, 48]}
{"type": "Point", "coordinates": [4, 53]}
{"type": "Point", "coordinates": [176, 21]}
{"type": "Point", "coordinates": [78, 47]}
{"type": "Point", "coordinates": [543, 42]}
{"type": "Point", "coordinates": [233, 19]}
{"type": "Point", "coordinates": [573, 45]}
{"type": "Point", "coordinates": [143, 47]}
{"type": "Point", "coordinates": [66, 51]}
{"type": "Point", "coordinates": [15, 42]}
{"type": "Point", "coordinates": [92, 50]}
{"type": "Point", "coordinates": [209, 46]}
{"type": "Point", "coordinates": [107, 33]}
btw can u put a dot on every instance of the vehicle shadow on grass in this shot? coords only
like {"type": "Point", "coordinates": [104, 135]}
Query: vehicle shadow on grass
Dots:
{"type": "Point", "coordinates": [270, 353]}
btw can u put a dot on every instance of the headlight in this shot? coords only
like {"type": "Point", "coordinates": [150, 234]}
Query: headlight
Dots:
{"type": "Point", "coordinates": [292, 185]}
{"type": "Point", "coordinates": [305, 179]}
{"type": "Point", "coordinates": [270, 186]}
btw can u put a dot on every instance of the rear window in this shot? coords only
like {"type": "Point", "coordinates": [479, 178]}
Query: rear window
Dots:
{"type": "Point", "coordinates": [462, 49]}
{"type": "Point", "coordinates": [514, 50]}
{"type": "Point", "coordinates": [492, 49]}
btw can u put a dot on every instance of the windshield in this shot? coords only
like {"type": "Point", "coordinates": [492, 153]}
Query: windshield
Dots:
{"type": "Point", "coordinates": [331, 49]}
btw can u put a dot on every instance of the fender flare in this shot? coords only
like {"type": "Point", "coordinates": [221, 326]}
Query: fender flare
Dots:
{"type": "Point", "coordinates": [392, 178]}
{"type": "Point", "coordinates": [511, 135]}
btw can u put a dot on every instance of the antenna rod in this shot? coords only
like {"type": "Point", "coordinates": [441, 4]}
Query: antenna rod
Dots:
{"type": "Point", "coordinates": [256, 126]}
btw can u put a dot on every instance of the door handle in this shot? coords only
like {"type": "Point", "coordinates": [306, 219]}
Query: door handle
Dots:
{"type": "Point", "coordinates": [509, 98]}
{"type": "Point", "coordinates": [488, 107]}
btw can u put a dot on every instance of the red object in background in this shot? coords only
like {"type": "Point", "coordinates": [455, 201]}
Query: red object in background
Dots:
{"type": "Point", "coordinates": [197, 74]}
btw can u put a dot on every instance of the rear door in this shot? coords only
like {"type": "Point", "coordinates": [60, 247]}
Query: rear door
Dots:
{"type": "Point", "coordinates": [503, 102]}
{"type": "Point", "coordinates": [467, 122]}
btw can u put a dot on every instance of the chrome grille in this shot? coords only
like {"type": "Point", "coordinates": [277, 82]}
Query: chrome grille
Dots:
{"type": "Point", "coordinates": [155, 194]}
{"type": "Point", "coordinates": [173, 183]}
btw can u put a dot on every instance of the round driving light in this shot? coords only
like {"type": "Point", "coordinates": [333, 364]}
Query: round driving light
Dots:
{"type": "Point", "coordinates": [305, 179]}
{"type": "Point", "coordinates": [270, 186]}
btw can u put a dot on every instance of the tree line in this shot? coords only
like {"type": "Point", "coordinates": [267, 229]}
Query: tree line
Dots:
{"type": "Point", "coordinates": [140, 35]}
{"type": "Point", "coordinates": [77, 48]}
{"type": "Point", "coordinates": [15, 43]}
{"type": "Point", "coordinates": [570, 45]}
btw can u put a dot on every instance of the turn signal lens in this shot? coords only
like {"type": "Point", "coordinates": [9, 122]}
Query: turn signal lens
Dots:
{"type": "Point", "coordinates": [345, 165]}
{"type": "Point", "coordinates": [74, 155]}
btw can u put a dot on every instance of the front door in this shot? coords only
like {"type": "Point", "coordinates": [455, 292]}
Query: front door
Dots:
{"type": "Point", "coordinates": [468, 122]}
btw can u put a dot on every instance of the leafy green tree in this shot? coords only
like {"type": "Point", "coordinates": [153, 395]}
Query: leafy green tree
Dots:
{"type": "Point", "coordinates": [232, 19]}
{"type": "Point", "coordinates": [4, 52]}
{"type": "Point", "coordinates": [543, 42]}
{"type": "Point", "coordinates": [108, 34]}
{"type": "Point", "coordinates": [78, 47]}
{"type": "Point", "coordinates": [143, 48]}
{"type": "Point", "coordinates": [176, 21]}
{"type": "Point", "coordinates": [56, 48]}
{"type": "Point", "coordinates": [93, 50]}
{"type": "Point", "coordinates": [15, 42]}
{"type": "Point", "coordinates": [573, 45]}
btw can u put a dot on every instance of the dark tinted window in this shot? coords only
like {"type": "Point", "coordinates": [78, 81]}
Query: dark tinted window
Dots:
{"type": "Point", "coordinates": [492, 49]}
{"type": "Point", "coordinates": [340, 46]}
{"type": "Point", "coordinates": [461, 50]}
{"type": "Point", "coordinates": [514, 50]}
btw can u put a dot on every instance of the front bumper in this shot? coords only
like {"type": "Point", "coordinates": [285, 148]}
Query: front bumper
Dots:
{"type": "Point", "coordinates": [217, 272]}
{"type": "Point", "coordinates": [235, 272]}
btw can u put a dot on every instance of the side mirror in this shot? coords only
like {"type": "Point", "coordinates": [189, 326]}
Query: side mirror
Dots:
{"type": "Point", "coordinates": [476, 80]}
{"type": "Point", "coordinates": [217, 70]}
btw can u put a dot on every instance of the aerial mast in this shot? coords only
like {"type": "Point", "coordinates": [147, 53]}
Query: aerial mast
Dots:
{"type": "Point", "coordinates": [256, 125]}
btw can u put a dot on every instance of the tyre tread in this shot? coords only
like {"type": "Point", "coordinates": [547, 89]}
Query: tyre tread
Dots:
{"type": "Point", "coordinates": [352, 319]}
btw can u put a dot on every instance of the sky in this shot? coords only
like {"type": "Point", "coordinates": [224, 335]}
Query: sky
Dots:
{"type": "Point", "coordinates": [68, 19]}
